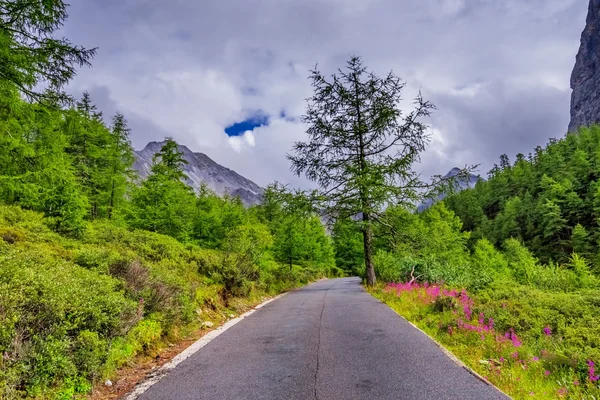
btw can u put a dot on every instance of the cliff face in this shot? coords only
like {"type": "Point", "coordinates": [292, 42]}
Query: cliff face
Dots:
{"type": "Point", "coordinates": [585, 79]}
{"type": "Point", "coordinates": [462, 184]}
{"type": "Point", "coordinates": [201, 168]}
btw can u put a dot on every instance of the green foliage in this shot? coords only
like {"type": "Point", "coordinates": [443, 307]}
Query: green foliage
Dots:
{"type": "Point", "coordinates": [556, 334]}
{"type": "Point", "coordinates": [298, 233]}
{"type": "Point", "coordinates": [388, 267]}
{"type": "Point", "coordinates": [433, 235]}
{"type": "Point", "coordinates": [348, 246]}
{"type": "Point", "coordinates": [76, 309]}
{"type": "Point", "coordinates": [487, 264]}
{"type": "Point", "coordinates": [29, 54]}
{"type": "Point", "coordinates": [242, 249]}
{"type": "Point", "coordinates": [215, 217]}
{"type": "Point", "coordinates": [548, 201]}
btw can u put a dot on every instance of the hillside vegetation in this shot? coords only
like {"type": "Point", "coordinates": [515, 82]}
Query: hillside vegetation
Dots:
{"type": "Point", "coordinates": [97, 266]}
{"type": "Point", "coordinates": [507, 274]}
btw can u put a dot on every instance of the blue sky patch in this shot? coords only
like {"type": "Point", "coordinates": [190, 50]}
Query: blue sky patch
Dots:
{"type": "Point", "coordinates": [249, 124]}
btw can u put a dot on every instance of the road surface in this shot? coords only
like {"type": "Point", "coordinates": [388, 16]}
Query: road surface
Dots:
{"type": "Point", "coordinates": [330, 340]}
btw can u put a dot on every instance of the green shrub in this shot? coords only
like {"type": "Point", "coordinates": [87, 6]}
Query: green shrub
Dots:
{"type": "Point", "coordinates": [73, 310]}
{"type": "Point", "coordinates": [522, 263]}
{"type": "Point", "coordinates": [487, 264]}
{"type": "Point", "coordinates": [387, 267]}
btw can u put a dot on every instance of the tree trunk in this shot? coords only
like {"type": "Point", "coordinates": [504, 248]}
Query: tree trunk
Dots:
{"type": "Point", "coordinates": [365, 204]}
{"type": "Point", "coordinates": [112, 200]}
{"type": "Point", "coordinates": [368, 248]}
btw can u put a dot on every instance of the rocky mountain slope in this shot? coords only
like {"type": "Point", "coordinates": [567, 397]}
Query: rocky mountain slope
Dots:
{"type": "Point", "coordinates": [463, 183]}
{"type": "Point", "coordinates": [201, 168]}
{"type": "Point", "coordinates": [585, 79]}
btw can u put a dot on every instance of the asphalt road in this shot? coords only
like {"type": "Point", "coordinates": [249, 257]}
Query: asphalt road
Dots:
{"type": "Point", "coordinates": [330, 340]}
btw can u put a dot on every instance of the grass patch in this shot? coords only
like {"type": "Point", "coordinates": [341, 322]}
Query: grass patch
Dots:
{"type": "Point", "coordinates": [532, 344]}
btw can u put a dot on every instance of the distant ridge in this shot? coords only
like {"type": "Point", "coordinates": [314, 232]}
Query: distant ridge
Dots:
{"type": "Point", "coordinates": [462, 183]}
{"type": "Point", "coordinates": [201, 168]}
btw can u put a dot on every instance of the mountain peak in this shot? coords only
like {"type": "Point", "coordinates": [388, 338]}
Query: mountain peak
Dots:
{"type": "Point", "coordinates": [462, 184]}
{"type": "Point", "coordinates": [202, 169]}
{"type": "Point", "coordinates": [585, 78]}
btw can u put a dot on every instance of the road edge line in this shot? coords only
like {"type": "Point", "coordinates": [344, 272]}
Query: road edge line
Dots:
{"type": "Point", "coordinates": [157, 375]}
{"type": "Point", "coordinates": [447, 352]}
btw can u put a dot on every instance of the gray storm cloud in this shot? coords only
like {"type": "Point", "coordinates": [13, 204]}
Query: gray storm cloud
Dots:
{"type": "Point", "coordinates": [498, 72]}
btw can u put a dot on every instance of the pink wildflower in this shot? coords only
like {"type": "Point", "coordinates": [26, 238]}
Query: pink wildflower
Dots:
{"type": "Point", "coordinates": [576, 383]}
{"type": "Point", "coordinates": [536, 359]}
{"type": "Point", "coordinates": [592, 371]}
{"type": "Point", "coordinates": [546, 372]}
{"type": "Point", "coordinates": [515, 354]}
{"type": "Point", "coordinates": [502, 359]}
{"type": "Point", "coordinates": [513, 338]}
{"type": "Point", "coordinates": [547, 331]}
{"type": "Point", "coordinates": [562, 392]}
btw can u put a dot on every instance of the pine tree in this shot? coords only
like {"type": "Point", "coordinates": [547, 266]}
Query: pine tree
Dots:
{"type": "Point", "coordinates": [35, 170]}
{"type": "Point", "coordinates": [360, 149]}
{"type": "Point", "coordinates": [581, 242]}
{"type": "Point", "coordinates": [89, 145]}
{"type": "Point", "coordinates": [120, 162]}
{"type": "Point", "coordinates": [30, 55]}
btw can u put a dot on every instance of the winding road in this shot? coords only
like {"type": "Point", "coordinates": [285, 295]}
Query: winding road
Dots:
{"type": "Point", "coordinates": [329, 340]}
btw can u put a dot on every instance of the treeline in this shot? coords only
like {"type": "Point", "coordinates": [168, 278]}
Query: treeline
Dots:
{"type": "Point", "coordinates": [74, 167]}
{"type": "Point", "coordinates": [66, 163]}
{"type": "Point", "coordinates": [545, 208]}
{"type": "Point", "coordinates": [548, 200]}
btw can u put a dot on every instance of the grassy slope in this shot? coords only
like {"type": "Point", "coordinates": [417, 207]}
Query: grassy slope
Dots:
{"type": "Point", "coordinates": [73, 312]}
{"type": "Point", "coordinates": [555, 334]}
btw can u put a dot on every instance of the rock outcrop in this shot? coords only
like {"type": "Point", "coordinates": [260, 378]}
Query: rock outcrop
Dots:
{"type": "Point", "coordinates": [201, 168]}
{"type": "Point", "coordinates": [461, 184]}
{"type": "Point", "coordinates": [585, 79]}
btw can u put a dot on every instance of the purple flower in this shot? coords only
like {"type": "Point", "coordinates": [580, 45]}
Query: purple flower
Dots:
{"type": "Point", "coordinates": [546, 372]}
{"type": "Point", "coordinates": [536, 359]}
{"type": "Point", "coordinates": [592, 371]}
{"type": "Point", "coordinates": [502, 359]}
{"type": "Point", "coordinates": [547, 331]}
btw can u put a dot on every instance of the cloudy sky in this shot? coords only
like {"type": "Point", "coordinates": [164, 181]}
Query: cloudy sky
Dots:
{"type": "Point", "coordinates": [498, 71]}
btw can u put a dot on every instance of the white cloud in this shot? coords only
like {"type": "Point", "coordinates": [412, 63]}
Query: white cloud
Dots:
{"type": "Point", "coordinates": [242, 142]}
